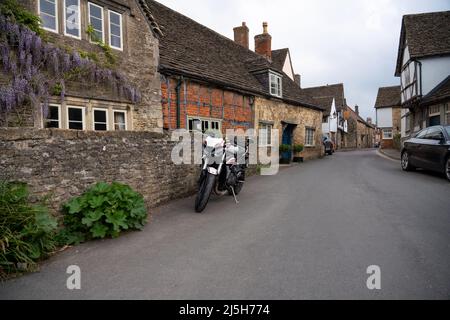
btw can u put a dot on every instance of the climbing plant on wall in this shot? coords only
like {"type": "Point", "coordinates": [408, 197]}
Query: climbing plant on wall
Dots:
{"type": "Point", "coordinates": [36, 70]}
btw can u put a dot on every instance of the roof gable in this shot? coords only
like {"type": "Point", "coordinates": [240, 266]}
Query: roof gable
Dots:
{"type": "Point", "coordinates": [324, 95]}
{"type": "Point", "coordinates": [427, 34]}
{"type": "Point", "coordinates": [388, 97]}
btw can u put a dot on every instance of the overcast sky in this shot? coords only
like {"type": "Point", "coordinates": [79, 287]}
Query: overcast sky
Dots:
{"type": "Point", "coordinates": [350, 41]}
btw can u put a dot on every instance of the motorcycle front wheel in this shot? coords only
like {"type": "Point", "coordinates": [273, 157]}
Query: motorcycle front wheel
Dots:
{"type": "Point", "coordinates": [204, 192]}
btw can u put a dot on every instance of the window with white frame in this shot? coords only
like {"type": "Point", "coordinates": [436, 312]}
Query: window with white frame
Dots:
{"type": "Point", "coordinates": [48, 12]}
{"type": "Point", "coordinates": [96, 21]}
{"type": "Point", "coordinates": [75, 118]}
{"type": "Point", "coordinates": [265, 134]}
{"type": "Point", "coordinates": [120, 120]}
{"type": "Point", "coordinates": [309, 137]}
{"type": "Point", "coordinates": [275, 85]}
{"type": "Point", "coordinates": [204, 125]}
{"type": "Point", "coordinates": [100, 119]}
{"type": "Point", "coordinates": [53, 118]}
{"type": "Point", "coordinates": [387, 134]}
{"type": "Point", "coordinates": [72, 18]}
{"type": "Point", "coordinates": [115, 30]}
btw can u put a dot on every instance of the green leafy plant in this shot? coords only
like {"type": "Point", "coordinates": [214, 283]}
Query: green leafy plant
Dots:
{"type": "Point", "coordinates": [397, 141]}
{"type": "Point", "coordinates": [285, 148]}
{"type": "Point", "coordinates": [26, 230]}
{"type": "Point", "coordinates": [17, 13]}
{"type": "Point", "coordinates": [110, 57]}
{"type": "Point", "coordinates": [298, 148]}
{"type": "Point", "coordinates": [105, 210]}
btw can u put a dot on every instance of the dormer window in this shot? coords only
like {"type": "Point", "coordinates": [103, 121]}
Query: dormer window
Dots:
{"type": "Point", "coordinates": [276, 88]}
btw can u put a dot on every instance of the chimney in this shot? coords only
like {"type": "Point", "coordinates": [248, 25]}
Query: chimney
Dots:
{"type": "Point", "coordinates": [298, 80]}
{"type": "Point", "coordinates": [263, 43]}
{"type": "Point", "coordinates": [357, 109]}
{"type": "Point", "coordinates": [241, 35]}
{"type": "Point", "coordinates": [369, 120]}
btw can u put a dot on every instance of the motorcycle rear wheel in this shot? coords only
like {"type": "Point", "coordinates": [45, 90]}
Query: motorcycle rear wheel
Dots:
{"type": "Point", "coordinates": [204, 192]}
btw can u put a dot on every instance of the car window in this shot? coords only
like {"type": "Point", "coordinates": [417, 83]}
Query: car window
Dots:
{"type": "Point", "coordinates": [422, 134]}
{"type": "Point", "coordinates": [448, 130]}
{"type": "Point", "coordinates": [433, 133]}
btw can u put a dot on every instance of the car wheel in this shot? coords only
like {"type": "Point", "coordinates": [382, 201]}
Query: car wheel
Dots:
{"type": "Point", "coordinates": [447, 168]}
{"type": "Point", "coordinates": [406, 164]}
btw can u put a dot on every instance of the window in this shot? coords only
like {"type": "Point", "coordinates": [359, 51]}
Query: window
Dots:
{"type": "Point", "coordinates": [72, 18]}
{"type": "Point", "coordinates": [275, 85]}
{"type": "Point", "coordinates": [434, 110]}
{"type": "Point", "coordinates": [447, 110]}
{"type": "Point", "coordinates": [422, 134]}
{"type": "Point", "coordinates": [309, 138]}
{"type": "Point", "coordinates": [53, 119]}
{"type": "Point", "coordinates": [408, 123]}
{"type": "Point", "coordinates": [205, 124]}
{"type": "Point", "coordinates": [265, 134]}
{"type": "Point", "coordinates": [387, 134]}
{"type": "Point", "coordinates": [96, 22]}
{"type": "Point", "coordinates": [75, 118]}
{"type": "Point", "coordinates": [100, 119]}
{"type": "Point", "coordinates": [115, 30]}
{"type": "Point", "coordinates": [120, 120]}
{"type": "Point", "coordinates": [433, 134]}
{"type": "Point", "coordinates": [48, 12]}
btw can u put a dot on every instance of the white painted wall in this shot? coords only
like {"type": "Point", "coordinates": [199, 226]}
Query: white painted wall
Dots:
{"type": "Point", "coordinates": [384, 118]}
{"type": "Point", "coordinates": [333, 119]}
{"type": "Point", "coordinates": [287, 68]}
{"type": "Point", "coordinates": [434, 71]}
{"type": "Point", "coordinates": [326, 128]}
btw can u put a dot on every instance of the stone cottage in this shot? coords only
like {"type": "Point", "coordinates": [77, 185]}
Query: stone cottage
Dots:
{"type": "Point", "coordinates": [388, 114]}
{"type": "Point", "coordinates": [334, 122]}
{"type": "Point", "coordinates": [210, 82]}
{"type": "Point", "coordinates": [116, 33]}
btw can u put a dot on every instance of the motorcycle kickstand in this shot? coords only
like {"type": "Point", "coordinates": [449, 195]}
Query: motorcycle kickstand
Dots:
{"type": "Point", "coordinates": [234, 195]}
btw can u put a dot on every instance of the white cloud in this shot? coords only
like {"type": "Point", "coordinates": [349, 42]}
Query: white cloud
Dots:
{"type": "Point", "coordinates": [349, 41]}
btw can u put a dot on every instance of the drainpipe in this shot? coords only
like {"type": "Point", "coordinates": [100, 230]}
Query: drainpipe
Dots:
{"type": "Point", "coordinates": [177, 90]}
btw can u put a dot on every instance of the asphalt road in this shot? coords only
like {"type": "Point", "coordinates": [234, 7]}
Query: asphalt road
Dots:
{"type": "Point", "coordinates": [310, 232]}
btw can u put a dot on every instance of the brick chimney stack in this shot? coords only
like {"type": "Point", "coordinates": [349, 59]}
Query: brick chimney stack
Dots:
{"type": "Point", "coordinates": [369, 120]}
{"type": "Point", "coordinates": [357, 109]}
{"type": "Point", "coordinates": [241, 35]}
{"type": "Point", "coordinates": [263, 43]}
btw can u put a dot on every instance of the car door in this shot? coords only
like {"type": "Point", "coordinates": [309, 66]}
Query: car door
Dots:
{"type": "Point", "coordinates": [434, 149]}
{"type": "Point", "coordinates": [415, 149]}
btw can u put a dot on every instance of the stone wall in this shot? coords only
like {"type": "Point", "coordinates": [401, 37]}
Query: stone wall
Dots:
{"type": "Point", "coordinates": [138, 62]}
{"type": "Point", "coordinates": [64, 163]}
{"type": "Point", "coordinates": [277, 112]}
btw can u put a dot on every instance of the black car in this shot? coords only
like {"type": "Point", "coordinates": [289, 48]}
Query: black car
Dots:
{"type": "Point", "coordinates": [428, 149]}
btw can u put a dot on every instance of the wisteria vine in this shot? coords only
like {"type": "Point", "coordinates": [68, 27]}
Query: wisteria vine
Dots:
{"type": "Point", "coordinates": [37, 70]}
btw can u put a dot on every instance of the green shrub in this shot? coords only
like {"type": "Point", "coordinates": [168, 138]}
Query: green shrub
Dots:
{"type": "Point", "coordinates": [26, 230]}
{"type": "Point", "coordinates": [285, 148]}
{"type": "Point", "coordinates": [15, 11]}
{"type": "Point", "coordinates": [397, 141]}
{"type": "Point", "coordinates": [105, 210]}
{"type": "Point", "coordinates": [298, 148]}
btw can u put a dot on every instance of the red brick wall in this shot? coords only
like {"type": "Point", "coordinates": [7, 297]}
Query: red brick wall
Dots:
{"type": "Point", "coordinates": [199, 100]}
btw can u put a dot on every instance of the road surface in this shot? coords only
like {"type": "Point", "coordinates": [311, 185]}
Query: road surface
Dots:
{"type": "Point", "coordinates": [310, 232]}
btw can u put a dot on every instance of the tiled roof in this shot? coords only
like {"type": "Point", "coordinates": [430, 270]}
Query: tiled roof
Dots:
{"type": "Point", "coordinates": [427, 34]}
{"type": "Point", "coordinates": [388, 97]}
{"type": "Point", "coordinates": [438, 94]}
{"type": "Point", "coordinates": [191, 49]}
{"type": "Point", "coordinates": [324, 96]}
{"type": "Point", "coordinates": [279, 58]}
